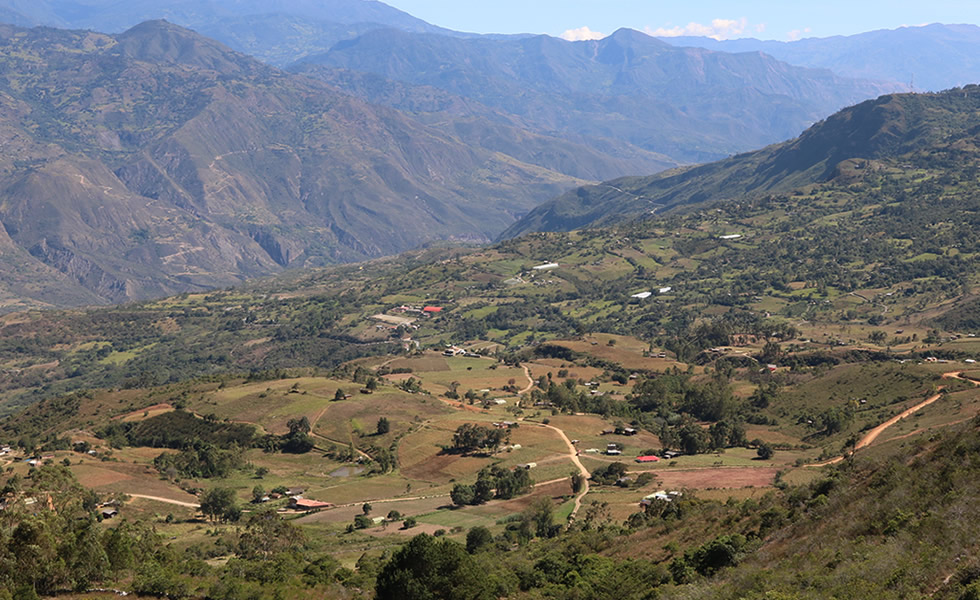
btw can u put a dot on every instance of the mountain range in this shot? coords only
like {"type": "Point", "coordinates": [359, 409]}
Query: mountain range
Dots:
{"type": "Point", "coordinates": [893, 128]}
{"type": "Point", "coordinates": [931, 57]}
{"type": "Point", "coordinates": [158, 160]}
{"type": "Point", "coordinates": [689, 104]}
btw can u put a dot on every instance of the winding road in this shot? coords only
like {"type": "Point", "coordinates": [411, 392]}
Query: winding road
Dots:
{"type": "Point", "coordinates": [873, 434]}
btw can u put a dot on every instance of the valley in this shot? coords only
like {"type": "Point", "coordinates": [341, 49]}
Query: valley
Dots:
{"type": "Point", "coordinates": [357, 307]}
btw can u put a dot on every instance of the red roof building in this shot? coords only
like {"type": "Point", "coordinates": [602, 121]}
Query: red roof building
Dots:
{"type": "Point", "coordinates": [304, 504]}
{"type": "Point", "coordinates": [647, 459]}
{"type": "Point", "coordinates": [432, 309]}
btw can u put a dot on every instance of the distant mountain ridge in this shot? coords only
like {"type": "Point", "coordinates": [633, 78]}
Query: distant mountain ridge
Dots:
{"type": "Point", "coordinates": [932, 57]}
{"type": "Point", "coordinates": [276, 31]}
{"type": "Point", "coordinates": [689, 104]}
{"type": "Point", "coordinates": [900, 125]}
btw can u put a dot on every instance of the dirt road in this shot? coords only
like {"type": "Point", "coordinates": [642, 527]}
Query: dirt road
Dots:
{"type": "Point", "coordinates": [573, 454]}
{"type": "Point", "coordinates": [530, 381]}
{"type": "Point", "coordinates": [166, 500]}
{"type": "Point", "coordinates": [873, 434]}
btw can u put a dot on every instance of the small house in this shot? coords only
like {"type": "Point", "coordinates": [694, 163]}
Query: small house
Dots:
{"type": "Point", "coordinates": [647, 459]}
{"type": "Point", "coordinates": [528, 466]}
{"type": "Point", "coordinates": [108, 513]}
{"type": "Point", "coordinates": [307, 505]}
{"type": "Point", "coordinates": [295, 491]}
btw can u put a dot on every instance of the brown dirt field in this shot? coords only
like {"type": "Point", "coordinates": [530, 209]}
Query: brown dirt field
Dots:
{"type": "Point", "coordinates": [774, 437]}
{"type": "Point", "coordinates": [127, 478]}
{"type": "Point", "coordinates": [396, 529]}
{"type": "Point", "coordinates": [717, 478]}
{"type": "Point", "coordinates": [346, 514]}
{"type": "Point", "coordinates": [555, 491]}
{"type": "Point", "coordinates": [398, 376]}
{"type": "Point", "coordinates": [623, 356]}
{"type": "Point", "coordinates": [151, 411]}
{"type": "Point", "coordinates": [429, 362]}
{"type": "Point", "coordinates": [92, 476]}
{"type": "Point", "coordinates": [443, 467]}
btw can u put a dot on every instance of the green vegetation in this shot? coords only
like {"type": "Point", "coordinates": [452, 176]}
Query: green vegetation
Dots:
{"type": "Point", "coordinates": [762, 379]}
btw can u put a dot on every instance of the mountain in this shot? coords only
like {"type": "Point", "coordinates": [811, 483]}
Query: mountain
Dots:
{"type": "Point", "coordinates": [893, 128]}
{"type": "Point", "coordinates": [275, 31]}
{"type": "Point", "coordinates": [158, 160]}
{"type": "Point", "coordinates": [931, 57]}
{"type": "Point", "coordinates": [479, 125]}
{"type": "Point", "coordinates": [689, 104]}
{"type": "Point", "coordinates": [114, 16]}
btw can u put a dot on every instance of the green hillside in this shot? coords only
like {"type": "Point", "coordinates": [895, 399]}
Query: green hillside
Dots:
{"type": "Point", "coordinates": [904, 132]}
{"type": "Point", "coordinates": [773, 395]}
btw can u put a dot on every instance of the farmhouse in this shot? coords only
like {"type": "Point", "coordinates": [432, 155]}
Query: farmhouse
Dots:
{"type": "Point", "coordinates": [295, 491]}
{"type": "Point", "coordinates": [307, 505]}
{"type": "Point", "coordinates": [662, 496]}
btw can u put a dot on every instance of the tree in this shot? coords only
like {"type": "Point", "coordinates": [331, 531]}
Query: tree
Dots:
{"type": "Point", "coordinates": [463, 495]}
{"type": "Point", "coordinates": [383, 426]}
{"type": "Point", "coordinates": [297, 426]}
{"type": "Point", "coordinates": [477, 539]}
{"type": "Point", "coordinates": [470, 437]}
{"type": "Point", "coordinates": [539, 516]}
{"type": "Point", "coordinates": [427, 568]}
{"type": "Point", "coordinates": [366, 509]}
{"type": "Point", "coordinates": [339, 395]}
{"type": "Point", "coordinates": [258, 492]}
{"type": "Point", "coordinates": [578, 482]}
{"type": "Point", "coordinates": [218, 503]}
{"type": "Point", "coordinates": [765, 451]}
{"type": "Point", "coordinates": [362, 522]}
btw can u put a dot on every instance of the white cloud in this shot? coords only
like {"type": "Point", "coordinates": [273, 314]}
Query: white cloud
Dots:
{"type": "Point", "coordinates": [797, 34]}
{"type": "Point", "coordinates": [719, 29]}
{"type": "Point", "coordinates": [581, 34]}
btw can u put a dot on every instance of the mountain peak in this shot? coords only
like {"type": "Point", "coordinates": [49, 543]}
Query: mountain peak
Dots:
{"type": "Point", "coordinates": [161, 41]}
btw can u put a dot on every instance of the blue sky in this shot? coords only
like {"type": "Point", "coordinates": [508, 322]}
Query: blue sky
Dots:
{"type": "Point", "coordinates": [765, 19]}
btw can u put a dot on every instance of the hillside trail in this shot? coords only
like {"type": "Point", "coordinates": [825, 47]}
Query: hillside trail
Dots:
{"type": "Point", "coordinates": [873, 434]}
